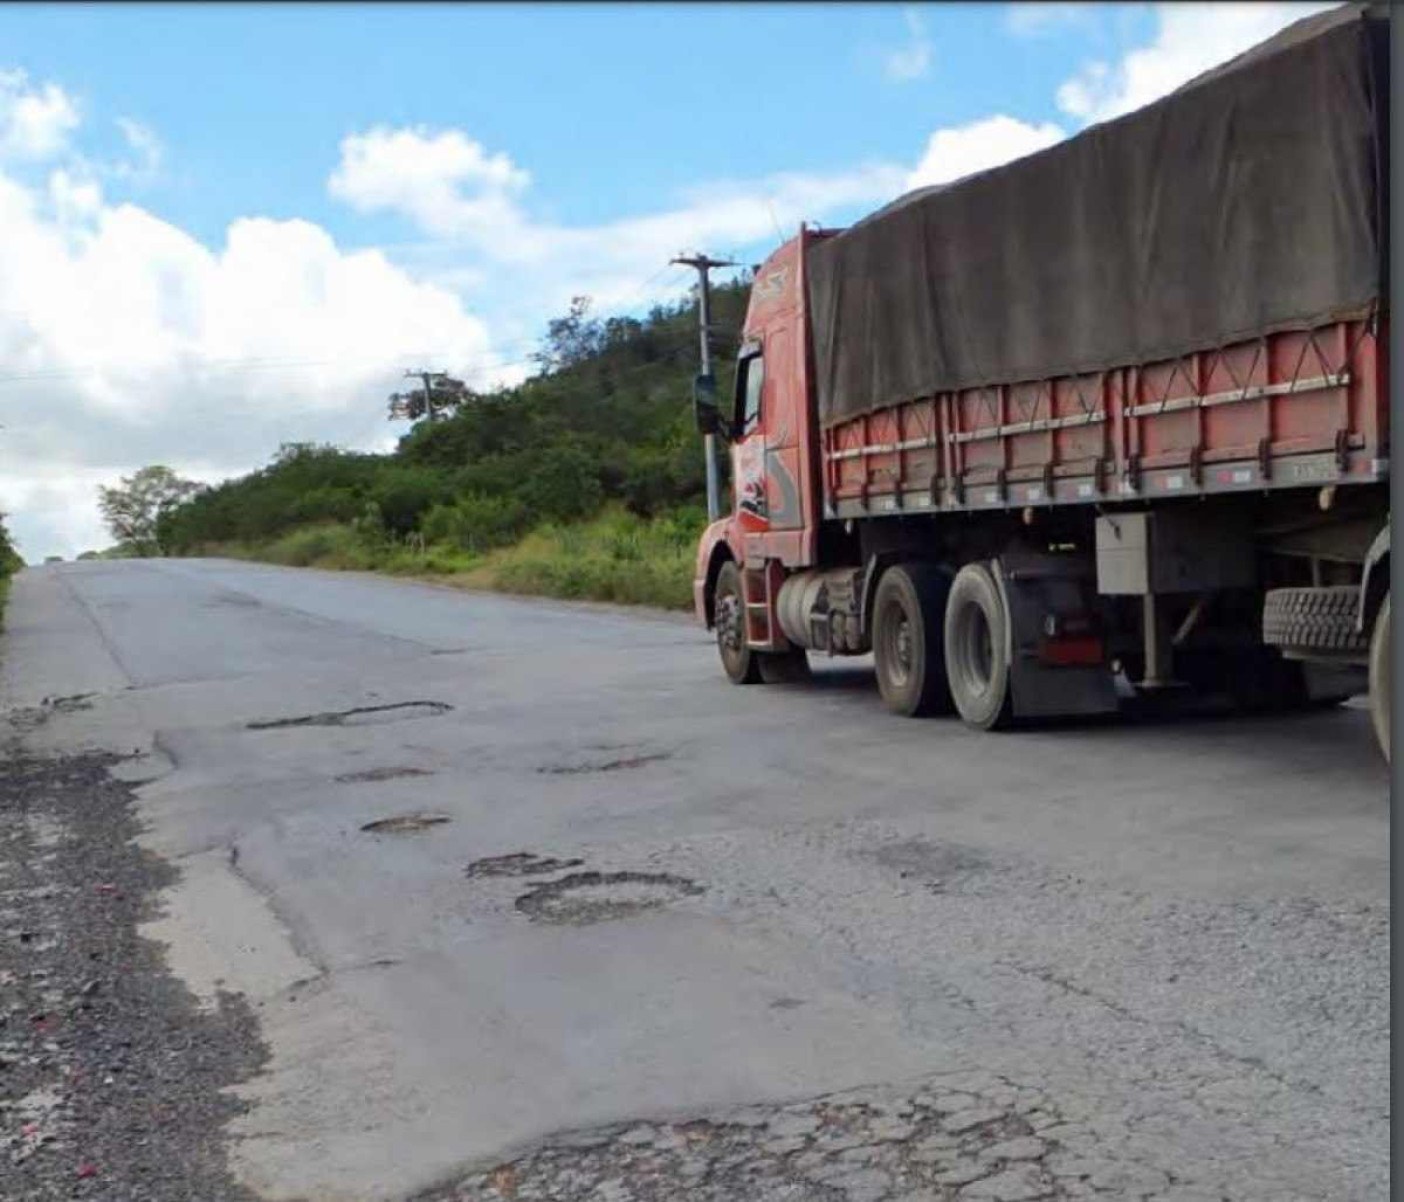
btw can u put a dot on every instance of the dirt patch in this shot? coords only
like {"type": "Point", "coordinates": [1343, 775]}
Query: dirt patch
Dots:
{"type": "Point", "coordinates": [378, 774]}
{"type": "Point", "coordinates": [588, 897]}
{"type": "Point", "coordinates": [361, 715]}
{"type": "Point", "coordinates": [405, 824]}
{"type": "Point", "coordinates": [113, 1082]}
{"type": "Point", "coordinates": [518, 863]}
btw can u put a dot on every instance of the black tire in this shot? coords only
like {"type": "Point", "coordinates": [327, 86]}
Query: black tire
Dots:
{"type": "Point", "coordinates": [977, 657]}
{"type": "Point", "coordinates": [1381, 686]}
{"type": "Point", "coordinates": [1314, 619]}
{"type": "Point", "coordinates": [909, 640]}
{"type": "Point", "coordinates": [729, 608]}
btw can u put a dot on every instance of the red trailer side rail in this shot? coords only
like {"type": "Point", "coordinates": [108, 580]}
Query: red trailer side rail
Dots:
{"type": "Point", "coordinates": [1292, 409]}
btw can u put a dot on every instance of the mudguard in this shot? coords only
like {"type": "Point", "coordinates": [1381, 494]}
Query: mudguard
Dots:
{"type": "Point", "coordinates": [1035, 586]}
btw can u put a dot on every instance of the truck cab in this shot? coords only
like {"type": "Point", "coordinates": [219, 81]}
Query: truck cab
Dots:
{"type": "Point", "coordinates": [769, 423]}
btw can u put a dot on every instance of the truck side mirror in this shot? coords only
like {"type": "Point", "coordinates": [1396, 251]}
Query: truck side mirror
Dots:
{"type": "Point", "coordinates": [704, 405]}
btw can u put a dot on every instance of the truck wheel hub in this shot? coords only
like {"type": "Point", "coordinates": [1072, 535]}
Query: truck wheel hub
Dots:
{"type": "Point", "coordinates": [729, 622]}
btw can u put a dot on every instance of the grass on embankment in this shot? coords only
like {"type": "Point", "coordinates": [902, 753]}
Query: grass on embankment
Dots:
{"type": "Point", "coordinates": [613, 557]}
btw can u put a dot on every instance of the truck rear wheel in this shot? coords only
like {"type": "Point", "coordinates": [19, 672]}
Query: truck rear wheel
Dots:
{"type": "Point", "coordinates": [1380, 684]}
{"type": "Point", "coordinates": [908, 638]}
{"type": "Point", "coordinates": [977, 641]}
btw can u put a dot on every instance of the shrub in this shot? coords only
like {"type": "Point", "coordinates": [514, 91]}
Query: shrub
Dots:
{"type": "Point", "coordinates": [476, 523]}
{"type": "Point", "coordinates": [327, 546]}
{"type": "Point", "coordinates": [563, 486]}
{"type": "Point", "coordinates": [404, 494]}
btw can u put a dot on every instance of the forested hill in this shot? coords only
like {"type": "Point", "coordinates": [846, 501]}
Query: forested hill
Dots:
{"type": "Point", "coordinates": [606, 419]}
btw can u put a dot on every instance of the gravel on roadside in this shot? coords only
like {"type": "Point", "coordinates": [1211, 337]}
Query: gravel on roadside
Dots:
{"type": "Point", "coordinates": [113, 1081]}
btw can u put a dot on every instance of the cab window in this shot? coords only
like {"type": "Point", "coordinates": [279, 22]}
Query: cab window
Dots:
{"type": "Point", "coordinates": [750, 379]}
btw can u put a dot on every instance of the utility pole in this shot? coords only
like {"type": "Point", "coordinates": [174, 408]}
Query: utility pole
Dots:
{"type": "Point", "coordinates": [454, 392]}
{"type": "Point", "coordinates": [704, 316]}
{"type": "Point", "coordinates": [428, 392]}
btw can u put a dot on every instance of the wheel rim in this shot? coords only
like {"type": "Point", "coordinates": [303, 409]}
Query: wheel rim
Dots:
{"type": "Point", "coordinates": [897, 643]}
{"type": "Point", "coordinates": [729, 632]}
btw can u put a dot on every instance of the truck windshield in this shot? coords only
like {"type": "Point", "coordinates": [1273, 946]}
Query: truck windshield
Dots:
{"type": "Point", "coordinates": [750, 377]}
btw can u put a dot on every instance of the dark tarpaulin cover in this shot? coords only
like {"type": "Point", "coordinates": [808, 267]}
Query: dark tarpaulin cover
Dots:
{"type": "Point", "coordinates": [1250, 200]}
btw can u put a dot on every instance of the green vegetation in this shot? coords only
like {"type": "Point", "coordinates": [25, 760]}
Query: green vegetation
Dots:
{"type": "Point", "coordinates": [584, 481]}
{"type": "Point", "coordinates": [10, 563]}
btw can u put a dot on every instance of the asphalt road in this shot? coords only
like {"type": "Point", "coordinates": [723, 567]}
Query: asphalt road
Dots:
{"type": "Point", "coordinates": [1129, 960]}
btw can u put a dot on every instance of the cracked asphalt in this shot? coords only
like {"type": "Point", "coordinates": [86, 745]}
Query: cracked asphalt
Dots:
{"type": "Point", "coordinates": [464, 897]}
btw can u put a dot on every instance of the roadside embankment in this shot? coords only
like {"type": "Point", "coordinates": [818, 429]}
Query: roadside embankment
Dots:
{"type": "Point", "coordinates": [614, 557]}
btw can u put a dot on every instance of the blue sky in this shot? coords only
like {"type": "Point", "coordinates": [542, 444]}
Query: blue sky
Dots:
{"type": "Point", "coordinates": [609, 106]}
{"type": "Point", "coordinates": [227, 226]}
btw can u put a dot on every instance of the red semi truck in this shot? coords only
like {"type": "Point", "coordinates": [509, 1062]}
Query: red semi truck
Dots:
{"type": "Point", "coordinates": [1114, 415]}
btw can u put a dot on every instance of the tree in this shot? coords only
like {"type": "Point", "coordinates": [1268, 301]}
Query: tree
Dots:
{"type": "Point", "coordinates": [10, 559]}
{"type": "Point", "coordinates": [571, 339]}
{"type": "Point", "coordinates": [133, 509]}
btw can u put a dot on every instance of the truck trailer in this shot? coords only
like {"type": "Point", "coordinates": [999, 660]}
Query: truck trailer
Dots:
{"type": "Point", "coordinates": [1113, 417]}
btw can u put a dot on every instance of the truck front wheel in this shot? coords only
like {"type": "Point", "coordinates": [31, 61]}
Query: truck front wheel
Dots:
{"type": "Point", "coordinates": [977, 640]}
{"type": "Point", "coordinates": [1380, 684]}
{"type": "Point", "coordinates": [740, 662]}
{"type": "Point", "coordinates": [908, 638]}
{"type": "Point", "coordinates": [743, 663]}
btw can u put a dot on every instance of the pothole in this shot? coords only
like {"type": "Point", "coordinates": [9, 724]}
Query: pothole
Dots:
{"type": "Point", "coordinates": [378, 774]}
{"type": "Point", "coordinates": [617, 764]}
{"type": "Point", "coordinates": [72, 703]}
{"type": "Point", "coordinates": [235, 600]}
{"type": "Point", "coordinates": [934, 865]}
{"type": "Point", "coordinates": [587, 897]}
{"type": "Point", "coordinates": [404, 824]}
{"type": "Point", "coordinates": [361, 715]}
{"type": "Point", "coordinates": [29, 718]}
{"type": "Point", "coordinates": [518, 863]}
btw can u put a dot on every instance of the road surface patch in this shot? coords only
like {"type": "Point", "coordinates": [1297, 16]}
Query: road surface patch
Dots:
{"type": "Point", "coordinates": [582, 898]}
{"type": "Point", "coordinates": [360, 715]}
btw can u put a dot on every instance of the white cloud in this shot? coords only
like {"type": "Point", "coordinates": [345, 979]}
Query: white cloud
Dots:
{"type": "Point", "coordinates": [1190, 39]}
{"type": "Point", "coordinates": [447, 182]}
{"type": "Point", "coordinates": [453, 190]}
{"type": "Point", "coordinates": [1030, 19]}
{"type": "Point", "coordinates": [952, 154]}
{"type": "Point", "coordinates": [147, 149]}
{"type": "Point", "coordinates": [913, 60]}
{"type": "Point", "coordinates": [126, 341]}
{"type": "Point", "coordinates": [35, 122]}
{"type": "Point", "coordinates": [74, 197]}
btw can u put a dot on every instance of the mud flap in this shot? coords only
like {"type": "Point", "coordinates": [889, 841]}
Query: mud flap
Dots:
{"type": "Point", "coordinates": [1036, 587]}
